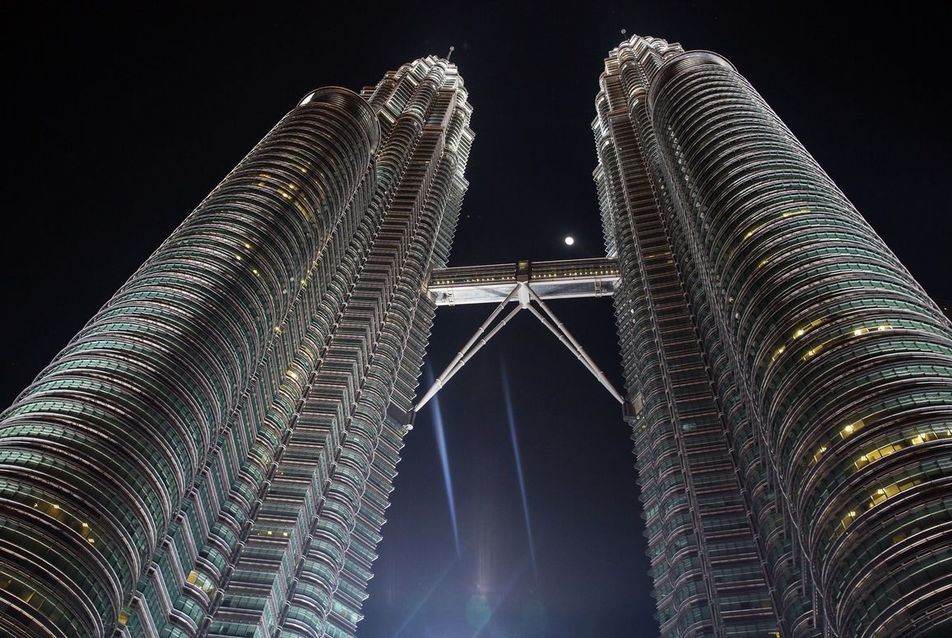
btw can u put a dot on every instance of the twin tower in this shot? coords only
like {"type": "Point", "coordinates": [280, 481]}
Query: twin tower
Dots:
{"type": "Point", "coordinates": [212, 454]}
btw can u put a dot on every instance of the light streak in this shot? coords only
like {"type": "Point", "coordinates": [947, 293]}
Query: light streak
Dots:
{"type": "Point", "coordinates": [515, 451]}
{"type": "Point", "coordinates": [500, 599]}
{"type": "Point", "coordinates": [444, 458]}
{"type": "Point", "coordinates": [436, 584]}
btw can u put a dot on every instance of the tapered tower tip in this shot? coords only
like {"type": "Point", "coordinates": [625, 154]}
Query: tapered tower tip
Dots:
{"type": "Point", "coordinates": [450, 54]}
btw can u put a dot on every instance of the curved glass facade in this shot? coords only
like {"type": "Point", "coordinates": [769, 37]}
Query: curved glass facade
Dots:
{"type": "Point", "coordinates": [212, 454]}
{"type": "Point", "coordinates": [832, 368]}
{"type": "Point", "coordinates": [705, 561]}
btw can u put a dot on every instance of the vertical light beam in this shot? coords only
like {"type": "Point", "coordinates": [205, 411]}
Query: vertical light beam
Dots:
{"type": "Point", "coordinates": [515, 451]}
{"type": "Point", "coordinates": [444, 458]}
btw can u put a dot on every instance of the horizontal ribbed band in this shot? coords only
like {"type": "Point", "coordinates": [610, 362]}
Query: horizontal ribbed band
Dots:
{"type": "Point", "coordinates": [352, 103]}
{"type": "Point", "coordinates": [678, 65]}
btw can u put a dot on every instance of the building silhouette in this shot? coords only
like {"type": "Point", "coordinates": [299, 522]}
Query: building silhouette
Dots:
{"type": "Point", "coordinates": [213, 453]}
{"type": "Point", "coordinates": [790, 384]}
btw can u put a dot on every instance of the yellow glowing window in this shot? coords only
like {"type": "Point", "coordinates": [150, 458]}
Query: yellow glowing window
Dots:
{"type": "Point", "coordinates": [875, 455]}
{"type": "Point", "coordinates": [922, 437]}
{"type": "Point", "coordinates": [123, 617]}
{"type": "Point", "coordinates": [858, 332]}
{"type": "Point", "coordinates": [887, 492]}
{"type": "Point", "coordinates": [796, 211]}
{"type": "Point", "coordinates": [812, 352]}
{"type": "Point", "coordinates": [851, 428]}
{"type": "Point", "coordinates": [778, 352]}
{"type": "Point", "coordinates": [848, 518]}
{"type": "Point", "coordinates": [200, 580]}
{"type": "Point", "coordinates": [802, 330]}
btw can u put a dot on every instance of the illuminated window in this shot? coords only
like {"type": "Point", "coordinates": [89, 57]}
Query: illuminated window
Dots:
{"type": "Point", "coordinates": [847, 519]}
{"type": "Point", "coordinates": [799, 332]}
{"type": "Point", "coordinates": [797, 211]}
{"type": "Point", "coordinates": [887, 492]}
{"type": "Point", "coordinates": [848, 430]}
{"type": "Point", "coordinates": [876, 454]}
{"type": "Point", "coordinates": [201, 581]}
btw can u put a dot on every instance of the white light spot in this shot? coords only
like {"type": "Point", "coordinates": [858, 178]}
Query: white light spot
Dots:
{"type": "Point", "coordinates": [569, 241]}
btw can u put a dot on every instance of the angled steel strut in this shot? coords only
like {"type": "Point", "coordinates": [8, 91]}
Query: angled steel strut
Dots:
{"type": "Point", "coordinates": [522, 293]}
{"type": "Point", "coordinates": [467, 352]}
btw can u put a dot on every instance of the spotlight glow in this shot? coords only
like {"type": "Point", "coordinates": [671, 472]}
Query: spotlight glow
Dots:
{"type": "Point", "coordinates": [444, 458]}
{"type": "Point", "coordinates": [569, 240]}
{"type": "Point", "coordinates": [515, 451]}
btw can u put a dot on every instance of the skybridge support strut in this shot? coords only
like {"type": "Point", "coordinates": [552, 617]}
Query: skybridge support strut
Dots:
{"type": "Point", "coordinates": [573, 345]}
{"type": "Point", "coordinates": [523, 294]}
{"type": "Point", "coordinates": [464, 355]}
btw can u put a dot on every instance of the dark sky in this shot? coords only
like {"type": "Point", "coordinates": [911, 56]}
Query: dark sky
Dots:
{"type": "Point", "coordinates": [117, 123]}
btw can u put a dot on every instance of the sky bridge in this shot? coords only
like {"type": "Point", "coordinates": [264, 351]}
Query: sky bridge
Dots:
{"type": "Point", "coordinates": [527, 284]}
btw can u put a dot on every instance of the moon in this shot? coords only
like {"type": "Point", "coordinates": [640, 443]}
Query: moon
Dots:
{"type": "Point", "coordinates": [569, 240]}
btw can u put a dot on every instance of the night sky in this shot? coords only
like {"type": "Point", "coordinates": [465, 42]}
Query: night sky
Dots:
{"type": "Point", "coordinates": [118, 122]}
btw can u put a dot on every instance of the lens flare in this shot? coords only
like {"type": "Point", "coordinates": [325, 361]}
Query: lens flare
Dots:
{"type": "Point", "coordinates": [515, 451]}
{"type": "Point", "coordinates": [489, 605]}
{"type": "Point", "coordinates": [444, 458]}
{"type": "Point", "coordinates": [416, 609]}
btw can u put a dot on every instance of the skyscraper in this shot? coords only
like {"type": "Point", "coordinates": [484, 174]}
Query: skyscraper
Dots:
{"type": "Point", "coordinates": [790, 384]}
{"type": "Point", "coordinates": [212, 454]}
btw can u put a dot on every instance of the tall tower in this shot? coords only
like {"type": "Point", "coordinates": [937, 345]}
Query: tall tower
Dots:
{"type": "Point", "coordinates": [212, 454]}
{"type": "Point", "coordinates": [704, 559]}
{"type": "Point", "coordinates": [790, 383]}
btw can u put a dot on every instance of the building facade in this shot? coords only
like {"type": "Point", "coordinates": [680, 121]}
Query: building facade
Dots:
{"type": "Point", "coordinates": [212, 454]}
{"type": "Point", "coordinates": [790, 384]}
